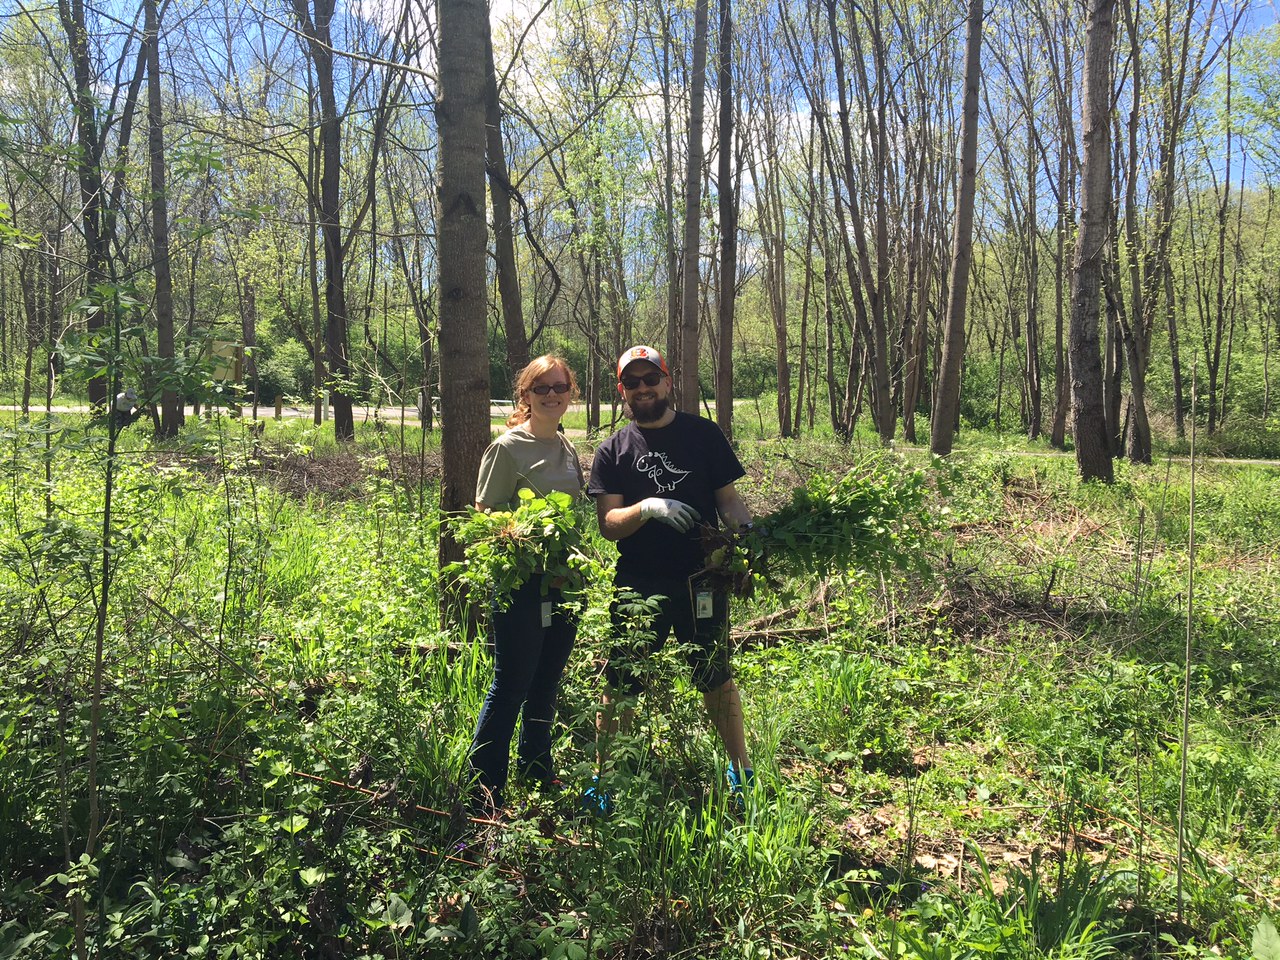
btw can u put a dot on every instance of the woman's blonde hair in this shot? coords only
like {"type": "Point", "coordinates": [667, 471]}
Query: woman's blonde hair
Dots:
{"type": "Point", "coordinates": [524, 382]}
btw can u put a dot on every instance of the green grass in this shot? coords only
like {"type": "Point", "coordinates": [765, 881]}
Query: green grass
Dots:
{"type": "Point", "coordinates": [984, 760]}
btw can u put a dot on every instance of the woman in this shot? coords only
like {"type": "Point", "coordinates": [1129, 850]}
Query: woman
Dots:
{"type": "Point", "coordinates": [533, 635]}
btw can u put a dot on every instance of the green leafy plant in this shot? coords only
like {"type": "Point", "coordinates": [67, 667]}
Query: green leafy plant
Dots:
{"type": "Point", "coordinates": [872, 517]}
{"type": "Point", "coordinates": [504, 548]}
{"type": "Point", "coordinates": [1266, 941]}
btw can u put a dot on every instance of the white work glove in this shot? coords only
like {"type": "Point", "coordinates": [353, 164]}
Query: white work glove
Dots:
{"type": "Point", "coordinates": [671, 512]}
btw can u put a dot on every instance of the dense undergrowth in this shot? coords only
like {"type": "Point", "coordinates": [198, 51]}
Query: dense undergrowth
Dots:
{"type": "Point", "coordinates": [982, 760]}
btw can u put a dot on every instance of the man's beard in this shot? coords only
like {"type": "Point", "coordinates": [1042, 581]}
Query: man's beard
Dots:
{"type": "Point", "coordinates": [649, 411]}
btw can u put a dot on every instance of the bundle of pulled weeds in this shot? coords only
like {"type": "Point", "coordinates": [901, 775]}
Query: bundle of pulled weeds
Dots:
{"type": "Point", "coordinates": [873, 518]}
{"type": "Point", "coordinates": [541, 536]}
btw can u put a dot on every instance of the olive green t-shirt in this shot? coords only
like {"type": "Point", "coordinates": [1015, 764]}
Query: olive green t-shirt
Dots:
{"type": "Point", "coordinates": [519, 459]}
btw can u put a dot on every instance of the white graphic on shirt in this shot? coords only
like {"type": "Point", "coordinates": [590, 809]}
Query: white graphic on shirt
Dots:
{"type": "Point", "coordinates": [660, 470]}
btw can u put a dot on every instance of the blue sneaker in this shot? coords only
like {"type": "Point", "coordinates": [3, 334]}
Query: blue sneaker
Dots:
{"type": "Point", "coordinates": [739, 785]}
{"type": "Point", "coordinates": [596, 801]}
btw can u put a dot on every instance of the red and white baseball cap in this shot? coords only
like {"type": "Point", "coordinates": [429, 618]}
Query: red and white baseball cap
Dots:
{"type": "Point", "coordinates": [641, 352]}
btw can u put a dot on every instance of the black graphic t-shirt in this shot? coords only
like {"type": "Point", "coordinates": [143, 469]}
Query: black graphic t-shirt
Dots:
{"type": "Point", "coordinates": [687, 460]}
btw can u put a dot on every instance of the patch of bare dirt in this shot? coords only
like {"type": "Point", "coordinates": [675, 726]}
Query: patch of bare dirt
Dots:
{"type": "Point", "coordinates": [330, 475]}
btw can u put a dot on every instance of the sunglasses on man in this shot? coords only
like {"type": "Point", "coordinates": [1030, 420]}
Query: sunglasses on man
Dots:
{"type": "Point", "coordinates": [543, 389]}
{"type": "Point", "coordinates": [650, 379]}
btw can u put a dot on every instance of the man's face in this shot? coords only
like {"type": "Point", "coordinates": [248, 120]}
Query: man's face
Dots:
{"type": "Point", "coordinates": [648, 400]}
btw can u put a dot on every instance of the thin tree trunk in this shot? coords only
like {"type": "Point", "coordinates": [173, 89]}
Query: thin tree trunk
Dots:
{"type": "Point", "coordinates": [313, 271]}
{"type": "Point", "coordinates": [87, 162]}
{"type": "Point", "coordinates": [1088, 419]}
{"type": "Point", "coordinates": [1112, 369]}
{"type": "Point", "coordinates": [100, 195]}
{"type": "Point", "coordinates": [728, 206]}
{"type": "Point", "coordinates": [1061, 386]}
{"type": "Point", "coordinates": [1031, 368]}
{"type": "Point", "coordinates": [669, 200]}
{"type": "Point", "coordinates": [687, 374]}
{"type": "Point", "coordinates": [170, 402]}
{"type": "Point", "coordinates": [948, 398]}
{"type": "Point", "coordinates": [320, 47]}
{"type": "Point", "coordinates": [503, 233]}
{"type": "Point", "coordinates": [28, 282]}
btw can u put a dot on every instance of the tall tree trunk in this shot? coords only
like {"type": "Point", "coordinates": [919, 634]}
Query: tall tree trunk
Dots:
{"type": "Point", "coordinates": [464, 360]}
{"type": "Point", "coordinates": [320, 46]}
{"type": "Point", "coordinates": [1031, 367]}
{"type": "Point", "coordinates": [802, 375]}
{"type": "Point", "coordinates": [503, 233]}
{"type": "Point", "coordinates": [687, 373]}
{"type": "Point", "coordinates": [669, 199]}
{"type": "Point", "coordinates": [728, 205]}
{"type": "Point", "coordinates": [1218, 329]}
{"type": "Point", "coordinates": [878, 367]}
{"type": "Point", "coordinates": [944, 415]}
{"type": "Point", "coordinates": [867, 281]}
{"type": "Point", "coordinates": [915, 323]}
{"type": "Point", "coordinates": [1061, 385]}
{"type": "Point", "coordinates": [1093, 454]}
{"type": "Point", "coordinates": [1182, 76]}
{"type": "Point", "coordinates": [1065, 227]}
{"type": "Point", "coordinates": [87, 163]}
{"type": "Point", "coordinates": [100, 193]}
{"type": "Point", "coordinates": [1137, 332]}
{"type": "Point", "coordinates": [170, 402]}
{"type": "Point", "coordinates": [318, 406]}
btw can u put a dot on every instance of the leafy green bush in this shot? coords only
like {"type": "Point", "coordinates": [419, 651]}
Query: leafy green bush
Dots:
{"type": "Point", "coordinates": [285, 371]}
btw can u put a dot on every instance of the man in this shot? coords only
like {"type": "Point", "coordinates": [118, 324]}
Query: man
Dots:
{"type": "Point", "coordinates": [126, 408]}
{"type": "Point", "coordinates": [653, 481]}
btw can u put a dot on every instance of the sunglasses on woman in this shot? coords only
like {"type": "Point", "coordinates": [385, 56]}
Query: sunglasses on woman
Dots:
{"type": "Point", "coordinates": [543, 389]}
{"type": "Point", "coordinates": [651, 379]}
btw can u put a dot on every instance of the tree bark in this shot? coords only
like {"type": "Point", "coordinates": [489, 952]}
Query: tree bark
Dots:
{"type": "Point", "coordinates": [170, 402]}
{"type": "Point", "coordinates": [867, 282]}
{"type": "Point", "coordinates": [500, 192]}
{"type": "Point", "coordinates": [686, 375]}
{"type": "Point", "coordinates": [87, 160]}
{"type": "Point", "coordinates": [97, 203]}
{"type": "Point", "coordinates": [1031, 368]}
{"type": "Point", "coordinates": [669, 199]}
{"type": "Point", "coordinates": [464, 361]}
{"type": "Point", "coordinates": [1093, 453]}
{"type": "Point", "coordinates": [728, 206]}
{"type": "Point", "coordinates": [1175, 357]}
{"type": "Point", "coordinates": [944, 415]}
{"type": "Point", "coordinates": [320, 47]}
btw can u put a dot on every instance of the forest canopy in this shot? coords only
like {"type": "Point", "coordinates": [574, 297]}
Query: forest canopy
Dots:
{"type": "Point", "coordinates": [268, 177]}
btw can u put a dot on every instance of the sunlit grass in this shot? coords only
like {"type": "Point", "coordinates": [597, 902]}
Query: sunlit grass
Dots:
{"type": "Point", "coordinates": [273, 654]}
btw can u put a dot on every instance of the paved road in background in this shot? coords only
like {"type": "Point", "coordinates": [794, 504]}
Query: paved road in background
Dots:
{"type": "Point", "coordinates": [266, 413]}
{"type": "Point", "coordinates": [498, 412]}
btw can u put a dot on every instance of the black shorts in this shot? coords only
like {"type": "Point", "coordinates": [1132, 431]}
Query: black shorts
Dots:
{"type": "Point", "coordinates": [706, 638]}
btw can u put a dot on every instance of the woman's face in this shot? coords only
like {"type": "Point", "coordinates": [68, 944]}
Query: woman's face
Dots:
{"type": "Point", "coordinates": [550, 405]}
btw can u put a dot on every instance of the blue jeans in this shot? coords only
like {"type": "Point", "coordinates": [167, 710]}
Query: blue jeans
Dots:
{"type": "Point", "coordinates": [528, 661]}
